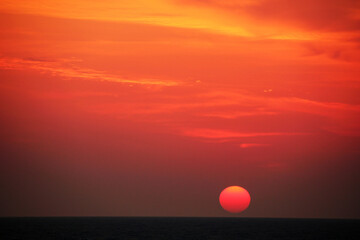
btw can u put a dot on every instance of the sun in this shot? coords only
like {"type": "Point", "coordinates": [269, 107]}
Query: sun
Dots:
{"type": "Point", "coordinates": [234, 199]}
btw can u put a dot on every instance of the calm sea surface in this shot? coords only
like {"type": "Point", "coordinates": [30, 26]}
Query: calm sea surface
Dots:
{"type": "Point", "coordinates": [177, 228]}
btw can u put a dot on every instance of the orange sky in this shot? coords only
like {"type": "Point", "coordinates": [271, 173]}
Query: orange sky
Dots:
{"type": "Point", "coordinates": [218, 92]}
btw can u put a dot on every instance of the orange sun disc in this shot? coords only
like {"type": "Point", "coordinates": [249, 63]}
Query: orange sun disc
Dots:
{"type": "Point", "coordinates": [234, 199]}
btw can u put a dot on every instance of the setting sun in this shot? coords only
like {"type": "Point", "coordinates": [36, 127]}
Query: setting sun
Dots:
{"type": "Point", "coordinates": [234, 199]}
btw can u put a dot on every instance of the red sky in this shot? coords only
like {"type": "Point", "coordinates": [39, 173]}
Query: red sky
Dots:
{"type": "Point", "coordinates": [152, 107]}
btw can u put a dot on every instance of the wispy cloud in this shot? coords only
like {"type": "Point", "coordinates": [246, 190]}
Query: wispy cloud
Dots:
{"type": "Point", "coordinates": [155, 12]}
{"type": "Point", "coordinates": [224, 134]}
{"type": "Point", "coordinates": [251, 145]}
{"type": "Point", "coordinates": [67, 69]}
{"type": "Point", "coordinates": [340, 118]}
{"type": "Point", "coordinates": [238, 114]}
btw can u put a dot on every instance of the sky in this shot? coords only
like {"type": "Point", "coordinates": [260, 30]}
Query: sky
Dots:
{"type": "Point", "coordinates": [153, 107]}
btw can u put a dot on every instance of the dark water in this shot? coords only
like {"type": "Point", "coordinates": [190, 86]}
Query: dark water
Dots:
{"type": "Point", "coordinates": [177, 228]}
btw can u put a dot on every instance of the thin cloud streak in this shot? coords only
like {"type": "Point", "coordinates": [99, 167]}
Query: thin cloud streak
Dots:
{"type": "Point", "coordinates": [251, 145]}
{"type": "Point", "coordinates": [219, 134]}
{"type": "Point", "coordinates": [75, 72]}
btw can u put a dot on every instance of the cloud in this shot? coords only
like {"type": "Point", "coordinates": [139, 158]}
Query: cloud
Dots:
{"type": "Point", "coordinates": [26, 27]}
{"type": "Point", "coordinates": [226, 134]}
{"type": "Point", "coordinates": [74, 72]}
{"type": "Point", "coordinates": [251, 145]}
{"type": "Point", "coordinates": [155, 12]}
{"type": "Point", "coordinates": [274, 19]}
{"type": "Point", "coordinates": [238, 114]}
{"type": "Point", "coordinates": [340, 118]}
{"type": "Point", "coordinates": [308, 20]}
{"type": "Point", "coordinates": [202, 115]}
{"type": "Point", "coordinates": [326, 15]}
{"type": "Point", "coordinates": [348, 51]}
{"type": "Point", "coordinates": [322, 15]}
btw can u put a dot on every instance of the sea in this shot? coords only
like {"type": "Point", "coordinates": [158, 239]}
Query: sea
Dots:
{"type": "Point", "coordinates": [176, 228]}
